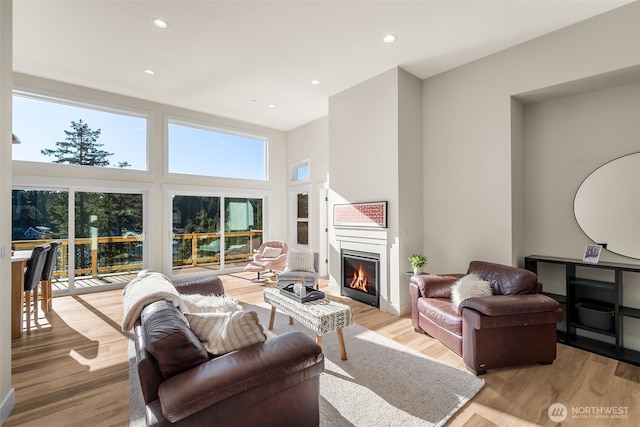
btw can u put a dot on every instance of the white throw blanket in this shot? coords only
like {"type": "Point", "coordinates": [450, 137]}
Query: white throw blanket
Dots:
{"type": "Point", "coordinates": [147, 287]}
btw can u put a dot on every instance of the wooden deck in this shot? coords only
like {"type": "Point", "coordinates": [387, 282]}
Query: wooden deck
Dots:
{"type": "Point", "coordinates": [117, 280]}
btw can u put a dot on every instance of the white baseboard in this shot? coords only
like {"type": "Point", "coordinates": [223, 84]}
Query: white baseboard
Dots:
{"type": "Point", "coordinates": [8, 403]}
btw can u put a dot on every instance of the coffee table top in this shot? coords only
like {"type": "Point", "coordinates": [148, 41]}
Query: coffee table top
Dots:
{"type": "Point", "coordinates": [321, 316]}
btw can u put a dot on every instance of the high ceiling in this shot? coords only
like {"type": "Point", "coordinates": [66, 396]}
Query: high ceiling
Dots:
{"type": "Point", "coordinates": [235, 58]}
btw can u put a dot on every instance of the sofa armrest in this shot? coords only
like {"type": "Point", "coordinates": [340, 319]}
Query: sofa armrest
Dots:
{"type": "Point", "coordinates": [435, 286]}
{"type": "Point", "coordinates": [233, 373]}
{"type": "Point", "coordinates": [507, 305]}
{"type": "Point", "coordinates": [208, 285]}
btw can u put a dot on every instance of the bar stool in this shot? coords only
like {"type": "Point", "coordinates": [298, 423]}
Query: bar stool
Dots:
{"type": "Point", "coordinates": [47, 276]}
{"type": "Point", "coordinates": [32, 277]}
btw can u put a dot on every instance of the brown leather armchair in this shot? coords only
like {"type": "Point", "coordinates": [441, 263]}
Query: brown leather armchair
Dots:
{"type": "Point", "coordinates": [272, 383]}
{"type": "Point", "coordinates": [514, 326]}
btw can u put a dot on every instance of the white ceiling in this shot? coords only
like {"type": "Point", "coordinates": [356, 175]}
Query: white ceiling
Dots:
{"type": "Point", "coordinates": [234, 58]}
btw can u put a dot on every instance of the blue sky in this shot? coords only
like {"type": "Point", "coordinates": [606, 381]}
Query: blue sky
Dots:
{"type": "Point", "coordinates": [40, 124]}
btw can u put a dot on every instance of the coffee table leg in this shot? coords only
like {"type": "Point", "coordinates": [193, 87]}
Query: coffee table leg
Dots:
{"type": "Point", "coordinates": [290, 320]}
{"type": "Point", "coordinates": [273, 317]}
{"type": "Point", "coordinates": [319, 340]}
{"type": "Point", "coordinates": [343, 350]}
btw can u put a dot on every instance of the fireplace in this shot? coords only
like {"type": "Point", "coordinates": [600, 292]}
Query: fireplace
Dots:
{"type": "Point", "coordinates": [360, 276]}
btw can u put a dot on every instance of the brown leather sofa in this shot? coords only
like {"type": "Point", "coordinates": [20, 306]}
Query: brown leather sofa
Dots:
{"type": "Point", "coordinates": [274, 383]}
{"type": "Point", "coordinates": [514, 326]}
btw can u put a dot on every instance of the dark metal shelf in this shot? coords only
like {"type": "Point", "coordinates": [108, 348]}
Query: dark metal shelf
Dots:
{"type": "Point", "coordinates": [630, 312]}
{"type": "Point", "coordinates": [578, 289]}
{"type": "Point", "coordinates": [589, 328]}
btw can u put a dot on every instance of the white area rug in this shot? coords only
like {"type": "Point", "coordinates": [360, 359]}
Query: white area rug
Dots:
{"type": "Point", "coordinates": [382, 383]}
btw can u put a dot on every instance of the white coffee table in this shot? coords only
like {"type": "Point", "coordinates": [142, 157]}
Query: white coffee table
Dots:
{"type": "Point", "coordinates": [321, 316]}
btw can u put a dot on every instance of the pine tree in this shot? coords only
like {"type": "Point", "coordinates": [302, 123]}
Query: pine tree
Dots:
{"type": "Point", "coordinates": [80, 147]}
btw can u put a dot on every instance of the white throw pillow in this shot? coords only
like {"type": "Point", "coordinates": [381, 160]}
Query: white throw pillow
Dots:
{"type": "Point", "coordinates": [197, 303]}
{"type": "Point", "coordinates": [222, 333]}
{"type": "Point", "coordinates": [469, 286]}
{"type": "Point", "coordinates": [271, 252]}
{"type": "Point", "coordinates": [300, 260]}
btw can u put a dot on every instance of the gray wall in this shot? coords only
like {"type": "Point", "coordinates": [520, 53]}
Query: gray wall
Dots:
{"type": "Point", "coordinates": [473, 170]}
{"type": "Point", "coordinates": [565, 139]}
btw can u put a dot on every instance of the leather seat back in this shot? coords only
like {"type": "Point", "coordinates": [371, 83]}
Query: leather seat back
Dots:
{"type": "Point", "coordinates": [506, 280]}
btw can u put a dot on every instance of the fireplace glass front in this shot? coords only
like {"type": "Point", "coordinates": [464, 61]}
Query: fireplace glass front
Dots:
{"type": "Point", "coordinates": [360, 276]}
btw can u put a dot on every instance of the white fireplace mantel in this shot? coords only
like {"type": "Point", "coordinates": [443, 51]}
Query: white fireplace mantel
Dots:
{"type": "Point", "coordinates": [373, 240]}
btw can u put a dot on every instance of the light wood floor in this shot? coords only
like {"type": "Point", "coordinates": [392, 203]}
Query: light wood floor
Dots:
{"type": "Point", "coordinates": [72, 370]}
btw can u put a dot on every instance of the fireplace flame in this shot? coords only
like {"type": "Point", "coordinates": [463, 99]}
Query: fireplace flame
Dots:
{"type": "Point", "coordinates": [359, 281]}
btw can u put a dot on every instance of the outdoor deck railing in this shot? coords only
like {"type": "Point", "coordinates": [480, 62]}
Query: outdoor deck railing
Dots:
{"type": "Point", "coordinates": [198, 257]}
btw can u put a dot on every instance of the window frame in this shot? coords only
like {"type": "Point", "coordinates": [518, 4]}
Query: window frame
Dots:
{"type": "Point", "coordinates": [293, 171]}
{"type": "Point", "coordinates": [207, 126]}
{"type": "Point", "coordinates": [293, 214]}
{"type": "Point", "coordinates": [72, 187]}
{"type": "Point", "coordinates": [170, 190]}
{"type": "Point", "coordinates": [89, 104]}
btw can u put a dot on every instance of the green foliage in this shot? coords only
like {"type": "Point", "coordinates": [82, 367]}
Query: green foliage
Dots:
{"type": "Point", "coordinates": [80, 147]}
{"type": "Point", "coordinates": [417, 260]}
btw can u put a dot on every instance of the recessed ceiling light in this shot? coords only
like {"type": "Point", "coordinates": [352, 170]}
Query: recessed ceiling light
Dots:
{"type": "Point", "coordinates": [315, 82]}
{"type": "Point", "coordinates": [160, 23]}
{"type": "Point", "coordinates": [390, 38]}
{"type": "Point", "coordinates": [272, 105]}
{"type": "Point", "coordinates": [149, 72]}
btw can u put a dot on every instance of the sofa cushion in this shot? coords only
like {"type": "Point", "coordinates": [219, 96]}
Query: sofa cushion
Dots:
{"type": "Point", "coordinates": [169, 340]}
{"type": "Point", "coordinates": [222, 333]}
{"type": "Point", "coordinates": [469, 286]}
{"type": "Point", "coordinates": [197, 303]}
{"type": "Point", "coordinates": [300, 260]}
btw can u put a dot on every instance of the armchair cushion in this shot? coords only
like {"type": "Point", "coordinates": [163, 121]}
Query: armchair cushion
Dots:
{"type": "Point", "coordinates": [300, 260]}
{"type": "Point", "coordinates": [435, 286]}
{"type": "Point", "coordinates": [271, 252]}
{"type": "Point", "coordinates": [508, 305]}
{"type": "Point", "coordinates": [469, 286]}
{"type": "Point", "coordinates": [506, 280]}
{"type": "Point", "coordinates": [223, 333]}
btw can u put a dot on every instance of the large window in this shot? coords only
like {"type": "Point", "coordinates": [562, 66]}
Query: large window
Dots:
{"type": "Point", "coordinates": [209, 152]}
{"type": "Point", "coordinates": [101, 243]}
{"type": "Point", "coordinates": [201, 243]}
{"type": "Point", "coordinates": [59, 131]}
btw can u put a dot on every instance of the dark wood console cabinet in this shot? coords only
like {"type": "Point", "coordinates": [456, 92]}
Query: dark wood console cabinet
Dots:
{"type": "Point", "coordinates": [609, 293]}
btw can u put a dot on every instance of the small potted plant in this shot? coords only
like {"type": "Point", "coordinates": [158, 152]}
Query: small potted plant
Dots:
{"type": "Point", "coordinates": [417, 262]}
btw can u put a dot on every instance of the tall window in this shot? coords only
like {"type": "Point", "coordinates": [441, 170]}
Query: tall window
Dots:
{"type": "Point", "coordinates": [38, 217]}
{"type": "Point", "coordinates": [108, 233]}
{"type": "Point", "coordinates": [59, 131]}
{"type": "Point", "coordinates": [302, 220]}
{"type": "Point", "coordinates": [209, 152]}
{"type": "Point", "coordinates": [209, 237]}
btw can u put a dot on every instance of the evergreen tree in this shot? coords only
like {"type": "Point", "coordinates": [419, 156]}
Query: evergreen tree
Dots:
{"type": "Point", "coordinates": [80, 147]}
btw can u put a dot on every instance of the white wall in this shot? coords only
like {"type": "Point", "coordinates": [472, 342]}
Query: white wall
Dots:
{"type": "Point", "coordinates": [468, 165]}
{"type": "Point", "coordinates": [374, 155]}
{"type": "Point", "coordinates": [7, 396]}
{"type": "Point", "coordinates": [155, 180]}
{"type": "Point", "coordinates": [311, 143]}
{"type": "Point", "coordinates": [409, 239]}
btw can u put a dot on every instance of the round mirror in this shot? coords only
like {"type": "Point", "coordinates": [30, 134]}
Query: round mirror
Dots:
{"type": "Point", "coordinates": [607, 205]}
